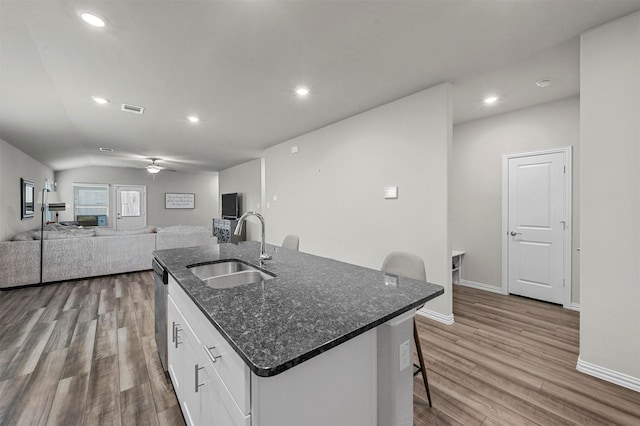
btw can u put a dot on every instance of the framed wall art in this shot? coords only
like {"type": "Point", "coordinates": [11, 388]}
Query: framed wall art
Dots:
{"type": "Point", "coordinates": [179, 200]}
{"type": "Point", "coordinates": [27, 199]}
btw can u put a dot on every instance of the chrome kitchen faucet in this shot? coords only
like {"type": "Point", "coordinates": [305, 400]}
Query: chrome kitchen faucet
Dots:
{"type": "Point", "coordinates": [238, 230]}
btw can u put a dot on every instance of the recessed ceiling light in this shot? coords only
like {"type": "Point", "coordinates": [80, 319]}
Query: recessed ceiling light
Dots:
{"type": "Point", "coordinates": [302, 91]}
{"type": "Point", "coordinates": [99, 100]}
{"type": "Point", "coordinates": [193, 119]}
{"type": "Point", "coordinates": [543, 82]}
{"type": "Point", "coordinates": [92, 19]}
{"type": "Point", "coordinates": [102, 149]}
{"type": "Point", "coordinates": [490, 99]}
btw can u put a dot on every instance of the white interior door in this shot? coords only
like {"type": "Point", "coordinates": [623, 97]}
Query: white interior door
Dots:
{"type": "Point", "coordinates": [537, 226]}
{"type": "Point", "coordinates": [131, 206]}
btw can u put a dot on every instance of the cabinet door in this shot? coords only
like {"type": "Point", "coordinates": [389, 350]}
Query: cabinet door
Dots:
{"type": "Point", "coordinates": [175, 345]}
{"type": "Point", "coordinates": [192, 368]}
{"type": "Point", "coordinates": [183, 362]}
{"type": "Point", "coordinates": [218, 407]}
{"type": "Point", "coordinates": [211, 410]}
{"type": "Point", "coordinates": [231, 369]}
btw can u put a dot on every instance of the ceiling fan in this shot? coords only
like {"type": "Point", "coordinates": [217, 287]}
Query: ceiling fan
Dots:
{"type": "Point", "coordinates": [154, 168]}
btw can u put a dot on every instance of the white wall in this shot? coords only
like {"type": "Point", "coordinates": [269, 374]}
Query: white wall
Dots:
{"type": "Point", "coordinates": [15, 164]}
{"type": "Point", "coordinates": [610, 199]}
{"type": "Point", "coordinates": [476, 182]}
{"type": "Point", "coordinates": [246, 180]}
{"type": "Point", "coordinates": [204, 185]}
{"type": "Point", "coordinates": [331, 192]}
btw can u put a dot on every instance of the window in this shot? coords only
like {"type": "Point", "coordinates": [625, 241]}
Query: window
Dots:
{"type": "Point", "coordinates": [90, 199]}
{"type": "Point", "coordinates": [130, 203]}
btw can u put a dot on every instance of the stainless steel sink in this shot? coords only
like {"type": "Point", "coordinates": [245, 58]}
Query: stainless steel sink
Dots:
{"type": "Point", "coordinates": [229, 274]}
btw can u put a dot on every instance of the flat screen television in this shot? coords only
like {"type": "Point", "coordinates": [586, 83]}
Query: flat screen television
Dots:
{"type": "Point", "coordinates": [231, 206]}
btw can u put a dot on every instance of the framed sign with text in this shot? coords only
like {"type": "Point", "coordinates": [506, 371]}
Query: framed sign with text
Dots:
{"type": "Point", "coordinates": [174, 200]}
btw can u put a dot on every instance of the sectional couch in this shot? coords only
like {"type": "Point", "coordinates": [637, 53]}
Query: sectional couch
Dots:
{"type": "Point", "coordinates": [81, 253]}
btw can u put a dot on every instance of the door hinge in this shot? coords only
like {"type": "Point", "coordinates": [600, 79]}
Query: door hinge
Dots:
{"type": "Point", "coordinates": [564, 169]}
{"type": "Point", "coordinates": [563, 282]}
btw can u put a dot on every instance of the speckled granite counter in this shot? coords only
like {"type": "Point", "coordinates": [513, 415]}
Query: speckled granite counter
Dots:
{"type": "Point", "coordinates": [313, 304]}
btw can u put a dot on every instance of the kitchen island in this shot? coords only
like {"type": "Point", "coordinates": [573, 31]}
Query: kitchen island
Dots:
{"type": "Point", "coordinates": [315, 344]}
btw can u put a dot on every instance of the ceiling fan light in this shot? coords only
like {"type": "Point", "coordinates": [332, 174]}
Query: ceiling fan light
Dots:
{"type": "Point", "coordinates": [93, 20]}
{"type": "Point", "coordinates": [490, 100]}
{"type": "Point", "coordinates": [302, 91]}
{"type": "Point", "coordinates": [100, 100]}
{"type": "Point", "coordinates": [153, 169]}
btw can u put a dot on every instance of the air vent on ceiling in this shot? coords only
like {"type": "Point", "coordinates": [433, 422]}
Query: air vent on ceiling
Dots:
{"type": "Point", "coordinates": [132, 108]}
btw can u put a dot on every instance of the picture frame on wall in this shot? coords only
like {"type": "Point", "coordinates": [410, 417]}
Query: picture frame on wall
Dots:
{"type": "Point", "coordinates": [173, 200]}
{"type": "Point", "coordinates": [27, 199]}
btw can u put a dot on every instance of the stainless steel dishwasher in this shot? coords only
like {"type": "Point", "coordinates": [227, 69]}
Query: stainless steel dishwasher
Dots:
{"type": "Point", "coordinates": [160, 284]}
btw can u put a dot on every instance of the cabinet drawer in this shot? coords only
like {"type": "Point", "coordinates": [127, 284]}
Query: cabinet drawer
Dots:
{"type": "Point", "coordinates": [222, 407]}
{"type": "Point", "coordinates": [232, 370]}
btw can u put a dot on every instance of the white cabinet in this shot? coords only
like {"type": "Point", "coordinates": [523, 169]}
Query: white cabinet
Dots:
{"type": "Point", "coordinates": [228, 366]}
{"type": "Point", "coordinates": [184, 365]}
{"type": "Point", "coordinates": [217, 405]}
{"type": "Point", "coordinates": [215, 386]}
{"type": "Point", "coordinates": [175, 349]}
{"type": "Point", "coordinates": [204, 368]}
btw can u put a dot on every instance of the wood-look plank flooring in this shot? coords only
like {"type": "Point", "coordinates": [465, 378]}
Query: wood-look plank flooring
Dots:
{"type": "Point", "coordinates": [83, 352]}
{"type": "Point", "coordinates": [508, 360]}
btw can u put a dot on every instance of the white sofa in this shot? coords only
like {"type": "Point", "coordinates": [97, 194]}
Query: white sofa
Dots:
{"type": "Point", "coordinates": [109, 252]}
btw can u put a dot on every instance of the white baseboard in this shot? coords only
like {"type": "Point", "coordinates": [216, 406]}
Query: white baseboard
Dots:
{"type": "Point", "coordinates": [611, 376]}
{"type": "Point", "coordinates": [494, 289]}
{"type": "Point", "coordinates": [480, 286]}
{"type": "Point", "coordinates": [437, 316]}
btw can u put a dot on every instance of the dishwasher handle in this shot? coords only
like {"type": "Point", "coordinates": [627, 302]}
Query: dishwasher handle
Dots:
{"type": "Point", "coordinates": [160, 272]}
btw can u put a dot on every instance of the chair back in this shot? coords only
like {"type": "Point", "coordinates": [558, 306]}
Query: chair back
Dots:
{"type": "Point", "coordinates": [291, 242]}
{"type": "Point", "coordinates": [404, 265]}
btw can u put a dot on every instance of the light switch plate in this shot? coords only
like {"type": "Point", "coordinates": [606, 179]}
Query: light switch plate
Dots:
{"type": "Point", "coordinates": [390, 192]}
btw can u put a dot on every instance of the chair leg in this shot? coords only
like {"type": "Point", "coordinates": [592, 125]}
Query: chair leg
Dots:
{"type": "Point", "coordinates": [422, 369]}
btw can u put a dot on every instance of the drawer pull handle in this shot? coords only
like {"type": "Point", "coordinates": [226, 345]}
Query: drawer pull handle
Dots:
{"type": "Point", "coordinates": [197, 380]}
{"type": "Point", "coordinates": [212, 357]}
{"type": "Point", "coordinates": [178, 330]}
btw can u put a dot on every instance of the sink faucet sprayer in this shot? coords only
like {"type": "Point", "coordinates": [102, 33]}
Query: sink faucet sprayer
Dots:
{"type": "Point", "coordinates": [263, 246]}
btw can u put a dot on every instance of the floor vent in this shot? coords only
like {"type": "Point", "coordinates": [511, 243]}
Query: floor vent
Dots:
{"type": "Point", "coordinates": [132, 108]}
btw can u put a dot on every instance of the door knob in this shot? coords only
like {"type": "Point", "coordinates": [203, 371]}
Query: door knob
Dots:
{"type": "Point", "coordinates": [514, 233]}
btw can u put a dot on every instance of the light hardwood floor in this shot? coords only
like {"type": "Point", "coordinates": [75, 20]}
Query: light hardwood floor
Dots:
{"type": "Point", "coordinates": [511, 361]}
{"type": "Point", "coordinates": [83, 352]}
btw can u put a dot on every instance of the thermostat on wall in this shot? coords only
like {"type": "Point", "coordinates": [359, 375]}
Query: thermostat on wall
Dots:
{"type": "Point", "coordinates": [390, 192]}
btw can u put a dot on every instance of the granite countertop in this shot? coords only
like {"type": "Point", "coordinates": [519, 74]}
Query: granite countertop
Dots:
{"type": "Point", "coordinates": [313, 304]}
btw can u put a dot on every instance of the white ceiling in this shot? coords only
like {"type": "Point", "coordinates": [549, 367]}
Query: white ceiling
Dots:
{"type": "Point", "coordinates": [235, 65]}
